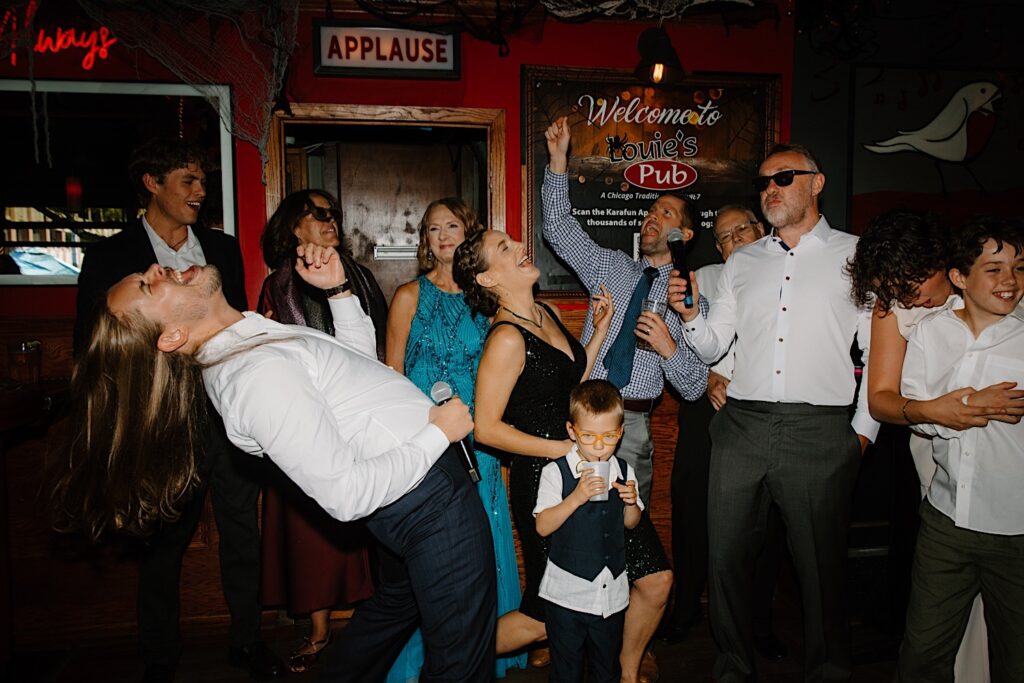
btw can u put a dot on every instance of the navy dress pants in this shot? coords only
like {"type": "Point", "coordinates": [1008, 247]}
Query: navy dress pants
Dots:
{"type": "Point", "coordinates": [438, 574]}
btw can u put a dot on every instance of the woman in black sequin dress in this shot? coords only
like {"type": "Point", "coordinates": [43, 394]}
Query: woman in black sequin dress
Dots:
{"type": "Point", "coordinates": [530, 364]}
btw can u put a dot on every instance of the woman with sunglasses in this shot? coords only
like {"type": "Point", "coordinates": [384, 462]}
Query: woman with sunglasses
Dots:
{"type": "Point", "coordinates": [433, 336]}
{"type": "Point", "coordinates": [311, 562]}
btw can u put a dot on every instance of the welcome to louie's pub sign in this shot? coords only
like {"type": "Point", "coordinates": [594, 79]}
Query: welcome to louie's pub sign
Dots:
{"type": "Point", "coordinates": [631, 142]}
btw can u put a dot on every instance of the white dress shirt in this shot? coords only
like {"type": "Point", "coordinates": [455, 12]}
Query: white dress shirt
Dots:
{"type": "Point", "coordinates": [190, 253]}
{"type": "Point", "coordinates": [980, 475]}
{"type": "Point", "coordinates": [794, 319]}
{"type": "Point", "coordinates": [606, 594]}
{"type": "Point", "coordinates": [708, 278]}
{"type": "Point", "coordinates": [351, 432]}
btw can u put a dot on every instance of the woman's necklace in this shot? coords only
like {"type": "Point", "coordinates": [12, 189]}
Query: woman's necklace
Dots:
{"type": "Point", "coordinates": [538, 325]}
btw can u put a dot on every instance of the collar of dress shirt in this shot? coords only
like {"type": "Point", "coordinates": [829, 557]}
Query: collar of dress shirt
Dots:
{"type": "Point", "coordinates": [250, 326]}
{"type": "Point", "coordinates": [821, 231]}
{"type": "Point", "coordinates": [573, 459]}
{"type": "Point", "coordinates": [190, 236]}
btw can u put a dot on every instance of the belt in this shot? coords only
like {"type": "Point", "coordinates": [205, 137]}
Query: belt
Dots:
{"type": "Point", "coordinates": [639, 405]}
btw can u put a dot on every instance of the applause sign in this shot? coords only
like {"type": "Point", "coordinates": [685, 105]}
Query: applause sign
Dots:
{"type": "Point", "coordinates": [354, 49]}
{"type": "Point", "coordinates": [702, 138]}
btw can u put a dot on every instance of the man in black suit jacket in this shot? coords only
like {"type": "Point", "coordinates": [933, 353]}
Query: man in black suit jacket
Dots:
{"type": "Point", "coordinates": [170, 182]}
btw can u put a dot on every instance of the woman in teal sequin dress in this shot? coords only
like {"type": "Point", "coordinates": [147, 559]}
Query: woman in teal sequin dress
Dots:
{"type": "Point", "coordinates": [433, 336]}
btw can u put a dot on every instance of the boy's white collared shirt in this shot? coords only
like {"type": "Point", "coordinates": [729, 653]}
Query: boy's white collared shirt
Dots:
{"type": "Point", "coordinates": [980, 473]}
{"type": "Point", "coordinates": [606, 594]}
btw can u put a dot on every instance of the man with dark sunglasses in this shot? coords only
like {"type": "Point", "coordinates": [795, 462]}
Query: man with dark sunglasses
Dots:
{"type": "Point", "coordinates": [784, 435]}
{"type": "Point", "coordinates": [735, 226]}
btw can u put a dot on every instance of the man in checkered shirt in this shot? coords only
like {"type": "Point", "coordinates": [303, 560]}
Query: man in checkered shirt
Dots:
{"type": "Point", "coordinates": [595, 265]}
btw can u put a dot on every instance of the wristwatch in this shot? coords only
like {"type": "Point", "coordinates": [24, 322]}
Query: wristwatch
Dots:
{"type": "Point", "coordinates": [340, 289]}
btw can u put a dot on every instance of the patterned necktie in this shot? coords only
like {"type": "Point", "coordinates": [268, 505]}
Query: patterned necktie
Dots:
{"type": "Point", "coordinates": [619, 359]}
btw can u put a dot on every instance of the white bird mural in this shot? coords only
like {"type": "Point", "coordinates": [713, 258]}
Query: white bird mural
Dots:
{"type": "Point", "coordinates": [957, 134]}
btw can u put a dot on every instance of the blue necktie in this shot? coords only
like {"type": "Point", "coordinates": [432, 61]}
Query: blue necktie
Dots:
{"type": "Point", "coordinates": [619, 359]}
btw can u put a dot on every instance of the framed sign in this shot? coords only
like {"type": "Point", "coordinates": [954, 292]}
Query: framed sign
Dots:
{"type": "Point", "coordinates": [631, 142]}
{"type": "Point", "coordinates": [942, 140]}
{"type": "Point", "coordinates": [352, 48]}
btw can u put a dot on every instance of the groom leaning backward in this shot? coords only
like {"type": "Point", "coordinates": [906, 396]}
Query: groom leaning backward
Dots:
{"type": "Point", "coordinates": [356, 436]}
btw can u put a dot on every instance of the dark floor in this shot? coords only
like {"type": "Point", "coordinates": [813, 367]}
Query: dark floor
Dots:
{"type": "Point", "coordinates": [204, 658]}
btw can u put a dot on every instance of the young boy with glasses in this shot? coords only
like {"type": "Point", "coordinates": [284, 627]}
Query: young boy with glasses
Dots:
{"type": "Point", "coordinates": [585, 581]}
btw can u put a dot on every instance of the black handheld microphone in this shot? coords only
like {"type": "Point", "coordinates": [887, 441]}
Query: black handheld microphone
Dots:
{"type": "Point", "coordinates": [678, 248]}
{"type": "Point", "coordinates": [441, 393]}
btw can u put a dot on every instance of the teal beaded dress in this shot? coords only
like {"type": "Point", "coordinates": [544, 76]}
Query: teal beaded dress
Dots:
{"type": "Point", "coordinates": [445, 343]}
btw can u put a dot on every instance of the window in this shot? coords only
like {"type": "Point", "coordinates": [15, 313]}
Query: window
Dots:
{"type": "Point", "coordinates": [64, 181]}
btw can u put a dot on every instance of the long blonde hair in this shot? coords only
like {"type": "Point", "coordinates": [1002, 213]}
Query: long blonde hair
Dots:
{"type": "Point", "coordinates": [137, 420]}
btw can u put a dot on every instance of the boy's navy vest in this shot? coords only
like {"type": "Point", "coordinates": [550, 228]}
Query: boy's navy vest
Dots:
{"type": "Point", "coordinates": [593, 537]}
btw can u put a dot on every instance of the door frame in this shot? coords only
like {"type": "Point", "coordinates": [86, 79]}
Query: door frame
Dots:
{"type": "Point", "coordinates": [490, 120]}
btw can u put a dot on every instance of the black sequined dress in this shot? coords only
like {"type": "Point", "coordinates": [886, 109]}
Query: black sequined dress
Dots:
{"type": "Point", "coordinates": [539, 406]}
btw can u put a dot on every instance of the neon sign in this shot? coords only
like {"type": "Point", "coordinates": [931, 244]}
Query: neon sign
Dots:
{"type": "Point", "coordinates": [96, 43]}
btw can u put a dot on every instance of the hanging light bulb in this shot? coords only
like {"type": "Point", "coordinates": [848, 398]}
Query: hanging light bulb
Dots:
{"type": "Point", "coordinates": [659, 63]}
{"type": "Point", "coordinates": [657, 72]}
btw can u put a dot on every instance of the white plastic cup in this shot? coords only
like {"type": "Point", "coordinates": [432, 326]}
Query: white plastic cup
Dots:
{"type": "Point", "coordinates": [600, 468]}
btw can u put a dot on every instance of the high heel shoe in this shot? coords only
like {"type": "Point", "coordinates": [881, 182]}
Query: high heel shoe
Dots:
{"type": "Point", "coordinates": [305, 656]}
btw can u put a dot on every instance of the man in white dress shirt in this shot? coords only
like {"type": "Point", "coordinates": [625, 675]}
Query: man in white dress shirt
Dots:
{"type": "Point", "coordinates": [735, 226]}
{"type": "Point", "coordinates": [784, 435]}
{"type": "Point", "coordinates": [356, 436]}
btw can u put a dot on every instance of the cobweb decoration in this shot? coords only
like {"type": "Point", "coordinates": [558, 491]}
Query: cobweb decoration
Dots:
{"type": "Point", "coordinates": [582, 10]}
{"type": "Point", "coordinates": [495, 21]}
{"type": "Point", "coordinates": [243, 43]}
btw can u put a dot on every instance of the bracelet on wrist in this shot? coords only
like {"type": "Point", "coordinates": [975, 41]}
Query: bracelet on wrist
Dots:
{"type": "Point", "coordinates": [339, 289]}
{"type": "Point", "coordinates": [904, 411]}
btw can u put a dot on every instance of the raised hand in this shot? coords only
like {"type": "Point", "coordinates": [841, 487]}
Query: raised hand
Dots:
{"type": "Point", "coordinates": [319, 266]}
{"type": "Point", "coordinates": [590, 485]}
{"type": "Point", "coordinates": [602, 308]}
{"type": "Point", "coordinates": [557, 136]}
{"type": "Point", "coordinates": [677, 295]}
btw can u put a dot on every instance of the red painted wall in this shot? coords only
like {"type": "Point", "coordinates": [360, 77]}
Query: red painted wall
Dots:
{"type": "Point", "coordinates": [487, 81]}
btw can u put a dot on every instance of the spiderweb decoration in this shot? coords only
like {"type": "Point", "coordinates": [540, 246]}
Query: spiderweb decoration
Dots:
{"type": "Point", "coordinates": [582, 10]}
{"type": "Point", "coordinates": [243, 43]}
{"type": "Point", "coordinates": [495, 21]}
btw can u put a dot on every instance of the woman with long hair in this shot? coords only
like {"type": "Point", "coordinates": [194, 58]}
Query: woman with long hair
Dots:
{"type": "Point", "coordinates": [433, 336]}
{"type": "Point", "coordinates": [901, 262]}
{"type": "Point", "coordinates": [530, 364]}
{"type": "Point", "coordinates": [310, 561]}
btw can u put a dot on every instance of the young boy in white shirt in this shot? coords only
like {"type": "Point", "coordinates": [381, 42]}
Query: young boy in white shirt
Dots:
{"type": "Point", "coordinates": [585, 581]}
{"type": "Point", "coordinates": [972, 522]}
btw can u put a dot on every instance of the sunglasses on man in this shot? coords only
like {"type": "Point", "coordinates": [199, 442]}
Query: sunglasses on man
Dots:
{"type": "Point", "coordinates": [781, 179]}
{"type": "Point", "coordinates": [324, 215]}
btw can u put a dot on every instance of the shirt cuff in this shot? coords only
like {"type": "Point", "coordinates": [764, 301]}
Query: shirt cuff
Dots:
{"type": "Point", "coordinates": [346, 308]}
{"type": "Point", "coordinates": [865, 425]}
{"type": "Point", "coordinates": [555, 178]}
{"type": "Point", "coordinates": [432, 440]}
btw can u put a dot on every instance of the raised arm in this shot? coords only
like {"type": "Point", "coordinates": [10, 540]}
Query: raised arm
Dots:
{"type": "Point", "coordinates": [400, 315]}
{"type": "Point", "coordinates": [602, 309]}
{"type": "Point", "coordinates": [588, 260]}
{"type": "Point", "coordinates": [502, 362]}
